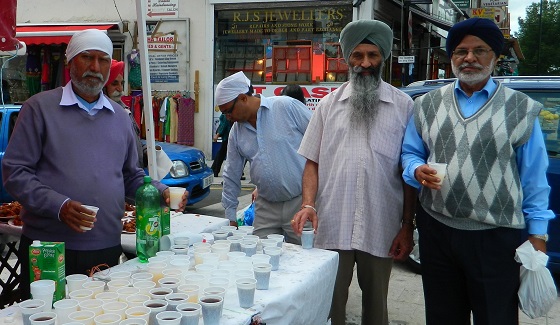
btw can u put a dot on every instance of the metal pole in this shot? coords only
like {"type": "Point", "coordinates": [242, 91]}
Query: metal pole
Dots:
{"type": "Point", "coordinates": [540, 38]}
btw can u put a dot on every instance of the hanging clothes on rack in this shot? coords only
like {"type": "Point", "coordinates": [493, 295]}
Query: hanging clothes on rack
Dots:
{"type": "Point", "coordinates": [185, 125]}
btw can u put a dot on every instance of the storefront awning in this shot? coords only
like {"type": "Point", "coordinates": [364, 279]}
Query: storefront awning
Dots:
{"type": "Point", "coordinates": [55, 34]}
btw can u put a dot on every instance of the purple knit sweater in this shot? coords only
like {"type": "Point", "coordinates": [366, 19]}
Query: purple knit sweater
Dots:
{"type": "Point", "coordinates": [59, 152]}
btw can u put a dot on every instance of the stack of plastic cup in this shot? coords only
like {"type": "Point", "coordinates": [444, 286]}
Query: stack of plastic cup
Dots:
{"type": "Point", "coordinates": [43, 290]}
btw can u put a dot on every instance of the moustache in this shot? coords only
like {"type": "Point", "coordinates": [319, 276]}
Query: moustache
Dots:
{"type": "Point", "coordinates": [471, 65]}
{"type": "Point", "coordinates": [93, 74]}
{"type": "Point", "coordinates": [359, 69]}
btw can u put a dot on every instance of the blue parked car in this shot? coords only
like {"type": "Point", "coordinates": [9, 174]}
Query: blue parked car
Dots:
{"type": "Point", "coordinates": [189, 164]}
{"type": "Point", "coordinates": [545, 90]}
{"type": "Point", "coordinates": [189, 170]}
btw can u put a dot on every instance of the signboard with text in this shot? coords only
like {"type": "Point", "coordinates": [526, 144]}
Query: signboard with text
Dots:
{"type": "Point", "coordinates": [493, 13]}
{"type": "Point", "coordinates": [162, 9]}
{"type": "Point", "coordinates": [406, 59]}
{"type": "Point", "coordinates": [462, 4]}
{"type": "Point", "coordinates": [168, 54]}
{"type": "Point", "coordinates": [493, 3]}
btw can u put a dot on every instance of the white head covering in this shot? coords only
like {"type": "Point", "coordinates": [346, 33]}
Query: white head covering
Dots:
{"type": "Point", "coordinates": [89, 39]}
{"type": "Point", "coordinates": [231, 87]}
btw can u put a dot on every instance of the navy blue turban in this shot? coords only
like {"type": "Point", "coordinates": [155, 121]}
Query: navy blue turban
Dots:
{"type": "Point", "coordinates": [485, 29]}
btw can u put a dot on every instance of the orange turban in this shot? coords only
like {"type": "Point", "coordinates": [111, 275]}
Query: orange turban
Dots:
{"type": "Point", "coordinates": [117, 68]}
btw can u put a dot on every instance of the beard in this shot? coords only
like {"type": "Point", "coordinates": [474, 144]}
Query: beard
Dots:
{"type": "Point", "coordinates": [89, 87]}
{"type": "Point", "coordinates": [473, 78]}
{"type": "Point", "coordinates": [365, 95]}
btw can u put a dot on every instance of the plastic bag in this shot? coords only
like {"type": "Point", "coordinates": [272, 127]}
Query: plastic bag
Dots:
{"type": "Point", "coordinates": [249, 215]}
{"type": "Point", "coordinates": [537, 292]}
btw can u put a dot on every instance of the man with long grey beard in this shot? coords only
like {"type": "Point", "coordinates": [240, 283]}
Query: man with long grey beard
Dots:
{"type": "Point", "coordinates": [353, 193]}
{"type": "Point", "coordinates": [471, 221]}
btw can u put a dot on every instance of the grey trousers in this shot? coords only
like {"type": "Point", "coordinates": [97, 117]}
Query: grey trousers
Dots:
{"type": "Point", "coordinates": [275, 217]}
{"type": "Point", "coordinates": [373, 277]}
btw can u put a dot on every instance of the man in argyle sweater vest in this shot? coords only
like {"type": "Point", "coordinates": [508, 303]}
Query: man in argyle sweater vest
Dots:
{"type": "Point", "coordinates": [471, 223]}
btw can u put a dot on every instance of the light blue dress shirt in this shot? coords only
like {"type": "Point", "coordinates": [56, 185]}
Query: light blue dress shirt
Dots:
{"type": "Point", "coordinates": [532, 160]}
{"type": "Point", "coordinates": [271, 149]}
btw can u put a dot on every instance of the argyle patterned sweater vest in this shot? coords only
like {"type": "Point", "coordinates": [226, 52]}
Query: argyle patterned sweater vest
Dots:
{"type": "Point", "coordinates": [482, 187]}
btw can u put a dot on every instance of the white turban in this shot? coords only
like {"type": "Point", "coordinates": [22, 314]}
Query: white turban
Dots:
{"type": "Point", "coordinates": [89, 39]}
{"type": "Point", "coordinates": [231, 87]}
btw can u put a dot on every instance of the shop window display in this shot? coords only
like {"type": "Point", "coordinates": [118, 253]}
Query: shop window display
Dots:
{"type": "Point", "coordinates": [286, 44]}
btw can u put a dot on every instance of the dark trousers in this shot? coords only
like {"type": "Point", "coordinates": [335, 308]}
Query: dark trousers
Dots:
{"type": "Point", "coordinates": [466, 271]}
{"type": "Point", "coordinates": [219, 159]}
{"type": "Point", "coordinates": [77, 262]}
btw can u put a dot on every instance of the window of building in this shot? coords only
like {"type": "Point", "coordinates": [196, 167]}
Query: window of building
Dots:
{"type": "Point", "coordinates": [294, 42]}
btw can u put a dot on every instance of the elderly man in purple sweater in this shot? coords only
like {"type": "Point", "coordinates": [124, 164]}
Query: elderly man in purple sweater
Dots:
{"type": "Point", "coordinates": [73, 146]}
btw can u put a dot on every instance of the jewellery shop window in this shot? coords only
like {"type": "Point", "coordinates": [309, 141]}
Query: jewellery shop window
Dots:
{"type": "Point", "coordinates": [288, 44]}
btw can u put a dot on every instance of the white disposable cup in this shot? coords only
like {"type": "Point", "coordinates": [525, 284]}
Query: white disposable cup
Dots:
{"type": "Point", "coordinates": [175, 196]}
{"type": "Point", "coordinates": [170, 283]}
{"type": "Point", "coordinates": [274, 252]}
{"type": "Point", "coordinates": [30, 307]}
{"type": "Point", "coordinates": [262, 275]}
{"type": "Point", "coordinates": [228, 228]}
{"type": "Point", "coordinates": [239, 232]}
{"type": "Point", "coordinates": [63, 308]}
{"type": "Point", "coordinates": [179, 249]}
{"type": "Point", "coordinates": [97, 286]}
{"type": "Point", "coordinates": [232, 256]}
{"type": "Point", "coordinates": [249, 247]}
{"type": "Point", "coordinates": [157, 259]}
{"type": "Point", "coordinates": [156, 306]}
{"type": "Point", "coordinates": [210, 258]}
{"type": "Point", "coordinates": [160, 293]}
{"type": "Point", "coordinates": [307, 237]}
{"type": "Point", "coordinates": [278, 237]}
{"type": "Point", "coordinates": [246, 291]}
{"type": "Point", "coordinates": [116, 284]}
{"type": "Point", "coordinates": [222, 250]}
{"type": "Point", "coordinates": [92, 216]}
{"type": "Point", "coordinates": [144, 286]}
{"type": "Point", "coordinates": [43, 318]}
{"type": "Point", "coordinates": [441, 170]}
{"type": "Point", "coordinates": [137, 300]}
{"type": "Point", "coordinates": [44, 290]}
{"type": "Point", "coordinates": [260, 258]}
{"type": "Point", "coordinates": [244, 274]}
{"type": "Point", "coordinates": [175, 299]}
{"type": "Point", "coordinates": [174, 272]}
{"type": "Point", "coordinates": [197, 278]}
{"type": "Point", "coordinates": [156, 269]}
{"type": "Point", "coordinates": [108, 319]}
{"type": "Point", "coordinates": [247, 229]}
{"type": "Point", "coordinates": [220, 234]}
{"type": "Point", "coordinates": [120, 275]}
{"type": "Point", "coordinates": [81, 294]}
{"type": "Point", "coordinates": [83, 316]}
{"type": "Point", "coordinates": [107, 296]}
{"type": "Point", "coordinates": [93, 305]}
{"type": "Point", "coordinates": [75, 281]}
{"type": "Point", "coordinates": [169, 318]}
{"type": "Point", "coordinates": [190, 313]}
{"type": "Point", "coordinates": [115, 307]}
{"type": "Point", "coordinates": [133, 321]}
{"type": "Point", "coordinates": [214, 291]}
{"type": "Point", "coordinates": [141, 276]}
{"type": "Point", "coordinates": [235, 242]}
{"type": "Point", "coordinates": [125, 292]}
{"type": "Point", "coordinates": [219, 282]}
{"type": "Point", "coordinates": [138, 312]}
{"type": "Point", "coordinates": [191, 290]}
{"type": "Point", "coordinates": [212, 307]}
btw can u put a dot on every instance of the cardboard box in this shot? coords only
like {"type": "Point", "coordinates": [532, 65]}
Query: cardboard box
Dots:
{"type": "Point", "coordinates": [48, 262]}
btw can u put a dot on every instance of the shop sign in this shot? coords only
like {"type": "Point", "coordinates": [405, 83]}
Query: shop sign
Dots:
{"type": "Point", "coordinates": [163, 8]}
{"type": "Point", "coordinates": [406, 59]}
{"type": "Point", "coordinates": [300, 20]}
{"type": "Point", "coordinates": [493, 3]}
{"type": "Point", "coordinates": [493, 13]}
{"type": "Point", "coordinates": [462, 4]}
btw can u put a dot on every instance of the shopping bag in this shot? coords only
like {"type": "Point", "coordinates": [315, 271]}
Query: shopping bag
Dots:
{"type": "Point", "coordinates": [249, 215]}
{"type": "Point", "coordinates": [537, 292]}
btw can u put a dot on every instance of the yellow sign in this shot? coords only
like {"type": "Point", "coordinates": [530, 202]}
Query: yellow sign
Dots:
{"type": "Point", "coordinates": [493, 13]}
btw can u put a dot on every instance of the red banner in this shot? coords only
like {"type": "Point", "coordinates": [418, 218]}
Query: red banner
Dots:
{"type": "Point", "coordinates": [8, 41]}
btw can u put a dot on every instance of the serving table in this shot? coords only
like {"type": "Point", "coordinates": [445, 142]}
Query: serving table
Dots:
{"type": "Point", "coordinates": [300, 291]}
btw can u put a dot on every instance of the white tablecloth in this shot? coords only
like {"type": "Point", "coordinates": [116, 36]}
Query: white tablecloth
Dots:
{"type": "Point", "coordinates": [180, 222]}
{"type": "Point", "coordinates": [300, 291]}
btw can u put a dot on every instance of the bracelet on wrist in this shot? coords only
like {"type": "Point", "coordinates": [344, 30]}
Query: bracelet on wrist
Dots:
{"type": "Point", "coordinates": [308, 206]}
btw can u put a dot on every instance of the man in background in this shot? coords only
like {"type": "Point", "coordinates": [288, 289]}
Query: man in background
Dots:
{"type": "Point", "coordinates": [267, 134]}
{"type": "Point", "coordinates": [353, 192]}
{"type": "Point", "coordinates": [114, 89]}
{"type": "Point", "coordinates": [73, 146]}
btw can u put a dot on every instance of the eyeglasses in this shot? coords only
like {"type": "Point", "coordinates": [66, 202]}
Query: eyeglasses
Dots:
{"type": "Point", "coordinates": [230, 110]}
{"type": "Point", "coordinates": [478, 52]}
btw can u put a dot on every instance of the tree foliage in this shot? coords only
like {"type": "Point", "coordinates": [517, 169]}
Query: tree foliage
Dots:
{"type": "Point", "coordinates": [539, 37]}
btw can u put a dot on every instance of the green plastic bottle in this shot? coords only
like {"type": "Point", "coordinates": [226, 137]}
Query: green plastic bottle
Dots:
{"type": "Point", "coordinates": [148, 220]}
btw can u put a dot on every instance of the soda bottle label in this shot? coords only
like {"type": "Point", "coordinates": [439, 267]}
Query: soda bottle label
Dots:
{"type": "Point", "coordinates": [165, 220]}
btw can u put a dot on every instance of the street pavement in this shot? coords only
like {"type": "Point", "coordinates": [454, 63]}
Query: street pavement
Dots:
{"type": "Point", "coordinates": [405, 299]}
